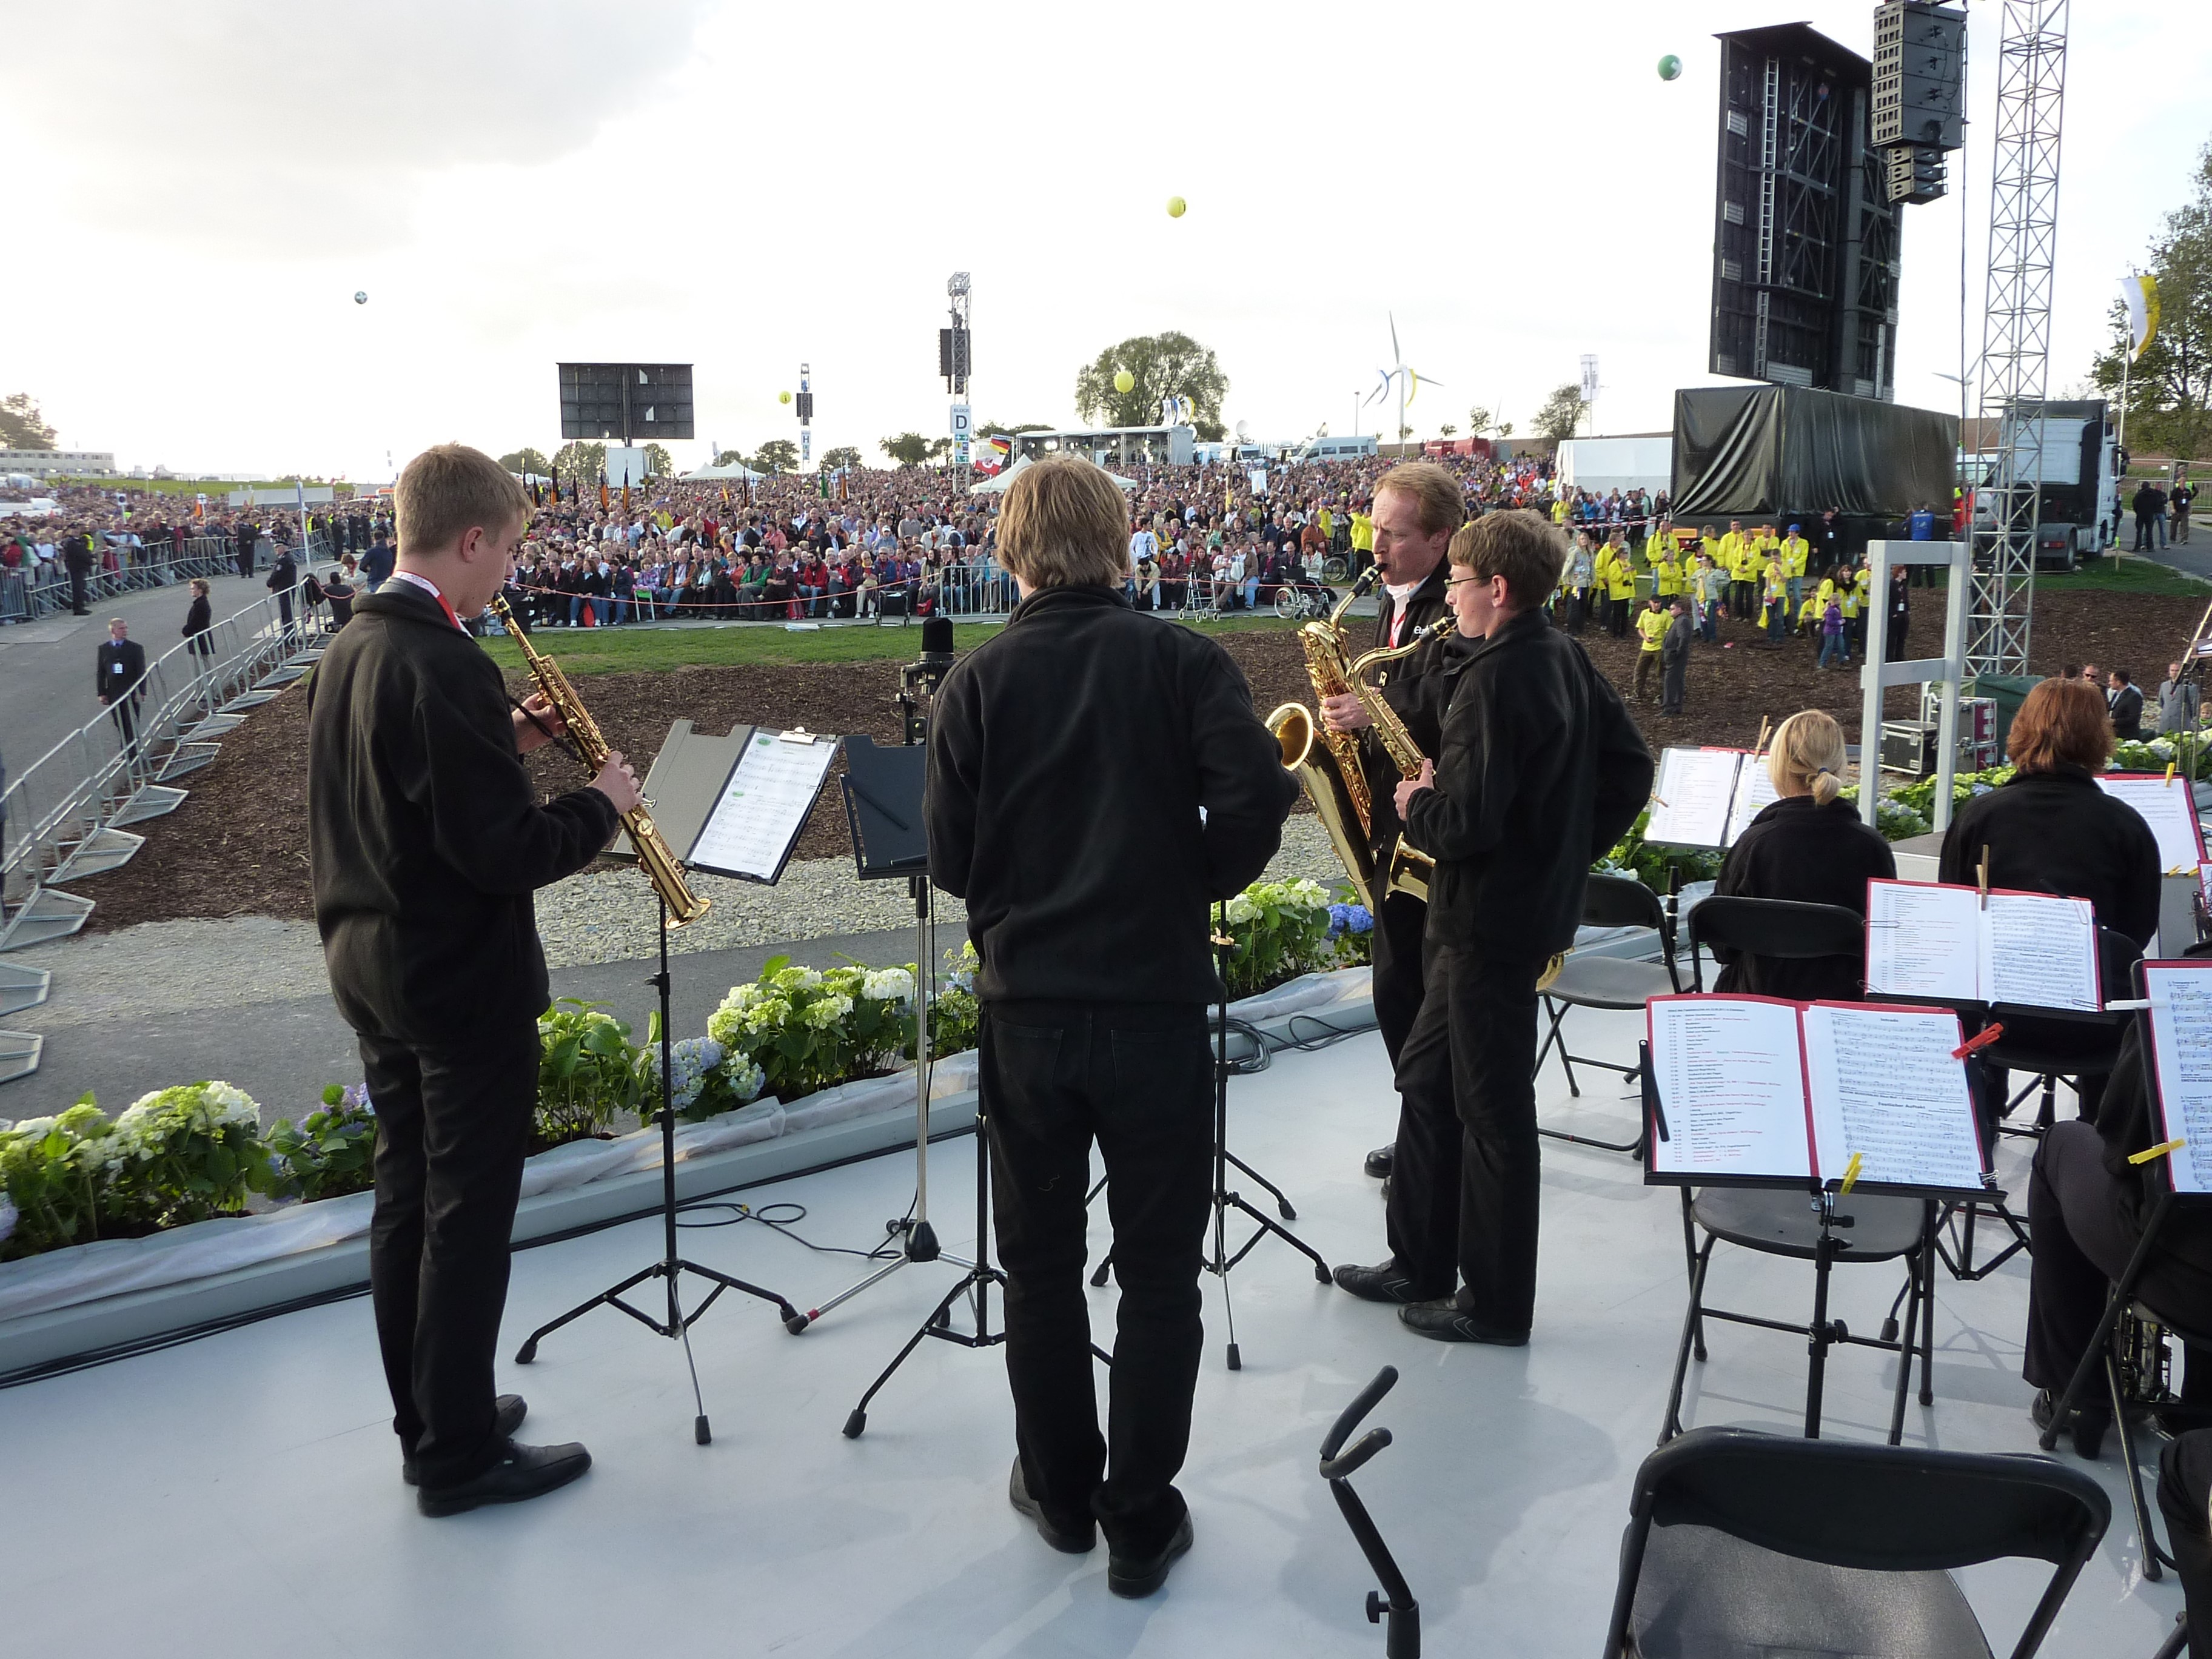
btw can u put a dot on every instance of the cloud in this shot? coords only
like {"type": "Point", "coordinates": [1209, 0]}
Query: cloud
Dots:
{"type": "Point", "coordinates": [239, 110]}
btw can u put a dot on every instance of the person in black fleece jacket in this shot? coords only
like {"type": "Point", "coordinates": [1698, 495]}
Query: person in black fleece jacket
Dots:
{"type": "Point", "coordinates": [1540, 772]}
{"type": "Point", "coordinates": [1097, 779]}
{"type": "Point", "coordinates": [425, 841]}
{"type": "Point", "coordinates": [1809, 848]}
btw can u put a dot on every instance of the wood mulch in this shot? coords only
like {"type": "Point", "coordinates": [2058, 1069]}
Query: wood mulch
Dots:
{"type": "Point", "coordinates": [238, 845]}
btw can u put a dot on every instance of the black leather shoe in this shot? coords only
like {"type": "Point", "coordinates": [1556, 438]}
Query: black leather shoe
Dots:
{"type": "Point", "coordinates": [521, 1473]}
{"type": "Point", "coordinates": [1441, 1320]}
{"type": "Point", "coordinates": [507, 1414]}
{"type": "Point", "coordinates": [1380, 1160]}
{"type": "Point", "coordinates": [1386, 1281]}
{"type": "Point", "coordinates": [1128, 1576]}
{"type": "Point", "coordinates": [2087, 1424]}
{"type": "Point", "coordinates": [1067, 1542]}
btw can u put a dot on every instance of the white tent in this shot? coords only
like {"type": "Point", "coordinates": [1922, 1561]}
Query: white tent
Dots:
{"type": "Point", "coordinates": [998, 485]}
{"type": "Point", "coordinates": [732, 473]}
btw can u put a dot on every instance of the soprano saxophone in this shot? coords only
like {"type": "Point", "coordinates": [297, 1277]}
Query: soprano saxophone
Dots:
{"type": "Point", "coordinates": [654, 854]}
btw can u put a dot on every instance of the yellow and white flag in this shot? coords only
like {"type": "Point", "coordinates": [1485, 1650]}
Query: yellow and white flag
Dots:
{"type": "Point", "coordinates": [2141, 294]}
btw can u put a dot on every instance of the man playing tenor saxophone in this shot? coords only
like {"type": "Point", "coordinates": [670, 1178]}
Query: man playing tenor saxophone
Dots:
{"type": "Point", "coordinates": [426, 841]}
{"type": "Point", "coordinates": [1418, 506]}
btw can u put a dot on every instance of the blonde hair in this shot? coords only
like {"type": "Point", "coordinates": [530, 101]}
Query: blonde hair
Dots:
{"type": "Point", "coordinates": [1807, 757]}
{"type": "Point", "coordinates": [1065, 525]}
{"type": "Point", "coordinates": [449, 490]}
{"type": "Point", "coordinates": [1435, 491]}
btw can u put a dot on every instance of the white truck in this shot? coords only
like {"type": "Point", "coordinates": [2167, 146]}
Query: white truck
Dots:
{"type": "Point", "coordinates": [2078, 474]}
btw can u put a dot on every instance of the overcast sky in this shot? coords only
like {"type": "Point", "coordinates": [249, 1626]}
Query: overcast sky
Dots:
{"type": "Point", "coordinates": [197, 192]}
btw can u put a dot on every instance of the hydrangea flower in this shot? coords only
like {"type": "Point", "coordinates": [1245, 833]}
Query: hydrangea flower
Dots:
{"type": "Point", "coordinates": [691, 1059]}
{"type": "Point", "coordinates": [1241, 909]}
{"type": "Point", "coordinates": [744, 1079]}
{"type": "Point", "coordinates": [826, 1012]}
{"type": "Point", "coordinates": [893, 985]}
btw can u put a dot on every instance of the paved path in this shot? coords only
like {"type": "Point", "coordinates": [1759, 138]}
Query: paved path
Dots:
{"type": "Point", "coordinates": [45, 666]}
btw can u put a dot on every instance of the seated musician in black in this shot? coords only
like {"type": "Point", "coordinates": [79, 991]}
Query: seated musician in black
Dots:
{"type": "Point", "coordinates": [1809, 846]}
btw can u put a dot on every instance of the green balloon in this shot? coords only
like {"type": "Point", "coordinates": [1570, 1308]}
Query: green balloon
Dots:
{"type": "Point", "coordinates": [1669, 67]}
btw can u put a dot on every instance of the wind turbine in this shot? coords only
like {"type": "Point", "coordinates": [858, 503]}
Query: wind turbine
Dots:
{"type": "Point", "coordinates": [1409, 378]}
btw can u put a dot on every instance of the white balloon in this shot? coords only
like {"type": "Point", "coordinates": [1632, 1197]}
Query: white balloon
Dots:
{"type": "Point", "coordinates": [360, 296]}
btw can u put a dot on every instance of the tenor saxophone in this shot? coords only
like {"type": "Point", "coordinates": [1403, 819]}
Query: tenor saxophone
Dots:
{"type": "Point", "coordinates": [1410, 867]}
{"type": "Point", "coordinates": [1326, 763]}
{"type": "Point", "coordinates": [654, 854]}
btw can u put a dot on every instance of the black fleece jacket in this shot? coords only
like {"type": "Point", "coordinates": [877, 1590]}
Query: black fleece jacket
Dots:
{"type": "Point", "coordinates": [426, 839]}
{"type": "Point", "coordinates": [1069, 756]}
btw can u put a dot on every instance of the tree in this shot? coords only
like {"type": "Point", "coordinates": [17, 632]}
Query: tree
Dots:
{"type": "Point", "coordinates": [1404, 433]}
{"type": "Point", "coordinates": [525, 460]}
{"type": "Point", "coordinates": [992, 428]}
{"type": "Point", "coordinates": [21, 427]}
{"type": "Point", "coordinates": [1479, 420]}
{"type": "Point", "coordinates": [1561, 412]}
{"type": "Point", "coordinates": [908, 449]}
{"type": "Point", "coordinates": [1505, 429]}
{"type": "Point", "coordinates": [1162, 366]}
{"type": "Point", "coordinates": [659, 463]}
{"type": "Point", "coordinates": [777, 455]}
{"type": "Point", "coordinates": [843, 459]}
{"type": "Point", "coordinates": [1446, 429]}
{"type": "Point", "coordinates": [731, 458]}
{"type": "Point", "coordinates": [577, 459]}
{"type": "Point", "coordinates": [940, 449]}
{"type": "Point", "coordinates": [2170, 385]}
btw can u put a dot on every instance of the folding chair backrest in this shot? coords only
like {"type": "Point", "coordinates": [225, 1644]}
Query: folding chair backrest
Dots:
{"type": "Point", "coordinates": [1783, 930]}
{"type": "Point", "coordinates": [1621, 901]}
{"type": "Point", "coordinates": [1873, 1507]}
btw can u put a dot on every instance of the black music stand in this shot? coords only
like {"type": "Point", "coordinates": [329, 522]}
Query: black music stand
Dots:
{"type": "Point", "coordinates": [690, 787]}
{"type": "Point", "coordinates": [891, 839]}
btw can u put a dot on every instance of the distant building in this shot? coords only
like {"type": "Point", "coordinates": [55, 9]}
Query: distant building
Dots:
{"type": "Point", "coordinates": [48, 463]}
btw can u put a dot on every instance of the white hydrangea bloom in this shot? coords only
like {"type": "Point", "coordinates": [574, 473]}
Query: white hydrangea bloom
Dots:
{"type": "Point", "coordinates": [826, 1012]}
{"type": "Point", "coordinates": [797, 979]}
{"type": "Point", "coordinates": [745, 1079]}
{"type": "Point", "coordinates": [1241, 909]}
{"type": "Point", "coordinates": [894, 984]}
{"type": "Point", "coordinates": [33, 1128]}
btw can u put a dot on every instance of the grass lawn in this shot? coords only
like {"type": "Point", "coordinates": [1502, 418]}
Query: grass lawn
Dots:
{"type": "Point", "coordinates": [2114, 574]}
{"type": "Point", "coordinates": [626, 649]}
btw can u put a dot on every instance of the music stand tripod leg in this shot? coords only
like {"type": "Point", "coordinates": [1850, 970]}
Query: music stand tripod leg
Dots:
{"type": "Point", "coordinates": [677, 1325]}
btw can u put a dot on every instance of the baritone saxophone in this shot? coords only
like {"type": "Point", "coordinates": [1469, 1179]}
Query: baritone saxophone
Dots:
{"type": "Point", "coordinates": [654, 855]}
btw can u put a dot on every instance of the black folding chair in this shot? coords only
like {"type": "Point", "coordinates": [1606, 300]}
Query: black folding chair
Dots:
{"type": "Point", "coordinates": [1783, 930]}
{"type": "Point", "coordinates": [1745, 1544]}
{"type": "Point", "coordinates": [1594, 981]}
{"type": "Point", "coordinates": [1880, 1227]}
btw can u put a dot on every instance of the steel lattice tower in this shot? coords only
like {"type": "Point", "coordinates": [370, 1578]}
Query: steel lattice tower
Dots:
{"type": "Point", "coordinates": [2016, 330]}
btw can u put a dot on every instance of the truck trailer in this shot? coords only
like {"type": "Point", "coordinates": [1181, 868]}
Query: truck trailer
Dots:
{"type": "Point", "coordinates": [2076, 471]}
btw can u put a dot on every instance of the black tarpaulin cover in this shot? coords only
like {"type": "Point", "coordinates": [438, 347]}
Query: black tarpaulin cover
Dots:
{"type": "Point", "coordinates": [1772, 449]}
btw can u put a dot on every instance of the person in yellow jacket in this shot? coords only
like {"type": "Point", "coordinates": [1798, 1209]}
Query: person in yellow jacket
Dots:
{"type": "Point", "coordinates": [1657, 545]}
{"type": "Point", "coordinates": [1619, 585]}
{"type": "Point", "coordinates": [1774, 590]}
{"type": "Point", "coordinates": [1363, 541]}
{"type": "Point", "coordinates": [1795, 550]}
{"type": "Point", "coordinates": [1667, 573]}
{"type": "Point", "coordinates": [1859, 607]}
{"type": "Point", "coordinates": [1651, 631]}
{"type": "Point", "coordinates": [1808, 617]}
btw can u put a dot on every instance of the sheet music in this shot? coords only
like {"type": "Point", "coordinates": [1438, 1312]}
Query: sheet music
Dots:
{"type": "Point", "coordinates": [1755, 794]}
{"type": "Point", "coordinates": [1731, 1080]}
{"type": "Point", "coordinates": [2170, 811]}
{"type": "Point", "coordinates": [2039, 951]}
{"type": "Point", "coordinates": [2181, 1044]}
{"type": "Point", "coordinates": [763, 807]}
{"type": "Point", "coordinates": [1924, 940]}
{"type": "Point", "coordinates": [1885, 1086]}
{"type": "Point", "coordinates": [1690, 804]}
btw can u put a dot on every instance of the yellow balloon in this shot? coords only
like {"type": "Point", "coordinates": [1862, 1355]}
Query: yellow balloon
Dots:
{"type": "Point", "coordinates": [783, 397]}
{"type": "Point", "coordinates": [1175, 206]}
{"type": "Point", "coordinates": [1124, 382]}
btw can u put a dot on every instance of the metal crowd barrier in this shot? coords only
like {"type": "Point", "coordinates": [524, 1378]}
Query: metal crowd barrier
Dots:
{"type": "Point", "coordinates": [27, 595]}
{"type": "Point", "coordinates": [66, 816]}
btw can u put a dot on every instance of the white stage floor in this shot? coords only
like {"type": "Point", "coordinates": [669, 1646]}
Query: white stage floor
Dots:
{"type": "Point", "coordinates": [240, 1496]}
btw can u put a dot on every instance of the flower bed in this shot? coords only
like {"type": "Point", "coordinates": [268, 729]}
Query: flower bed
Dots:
{"type": "Point", "coordinates": [196, 1151]}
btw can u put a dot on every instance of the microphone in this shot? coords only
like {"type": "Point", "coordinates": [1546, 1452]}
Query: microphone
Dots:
{"type": "Point", "coordinates": [937, 641]}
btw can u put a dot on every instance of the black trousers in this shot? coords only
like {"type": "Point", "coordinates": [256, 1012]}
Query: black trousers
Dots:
{"type": "Point", "coordinates": [2081, 1233]}
{"type": "Point", "coordinates": [452, 1127]}
{"type": "Point", "coordinates": [2184, 1486]}
{"type": "Point", "coordinates": [123, 711]}
{"type": "Point", "coordinates": [1463, 1191]}
{"type": "Point", "coordinates": [1671, 684]}
{"type": "Point", "coordinates": [2144, 540]}
{"type": "Point", "coordinates": [246, 551]}
{"type": "Point", "coordinates": [1139, 1078]}
{"type": "Point", "coordinates": [1396, 944]}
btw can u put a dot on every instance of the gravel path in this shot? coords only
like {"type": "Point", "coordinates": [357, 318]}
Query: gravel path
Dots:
{"type": "Point", "coordinates": [602, 915]}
